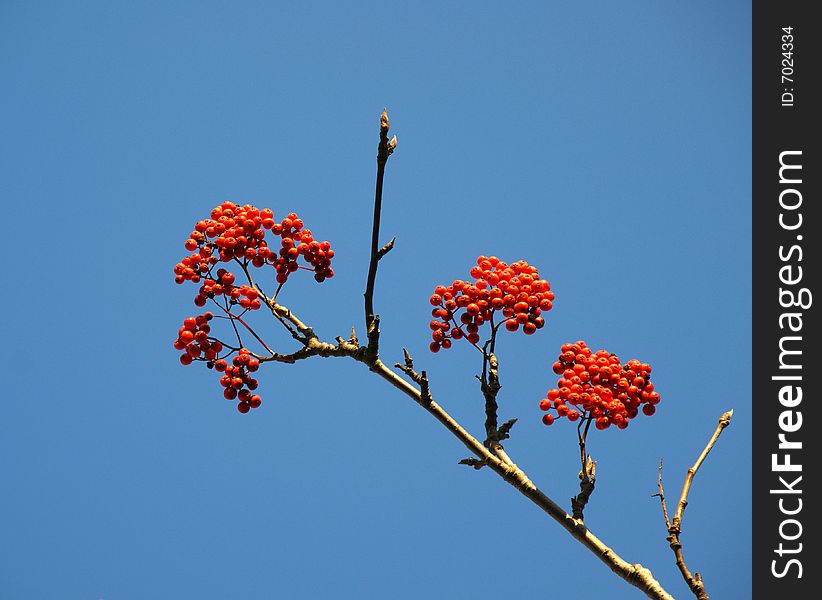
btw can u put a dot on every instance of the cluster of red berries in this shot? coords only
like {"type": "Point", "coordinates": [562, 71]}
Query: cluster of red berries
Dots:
{"type": "Point", "coordinates": [238, 232]}
{"type": "Point", "coordinates": [599, 388]}
{"type": "Point", "coordinates": [237, 382]}
{"type": "Point", "coordinates": [515, 290]}
{"type": "Point", "coordinates": [193, 339]}
{"type": "Point", "coordinates": [296, 242]}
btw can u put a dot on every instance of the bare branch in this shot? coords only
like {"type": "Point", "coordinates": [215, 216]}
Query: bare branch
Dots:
{"type": "Point", "coordinates": [661, 494]}
{"type": "Point", "coordinates": [674, 526]}
{"type": "Point", "coordinates": [635, 574]}
{"type": "Point", "coordinates": [425, 392]}
{"type": "Point", "coordinates": [724, 421]}
{"type": "Point", "coordinates": [384, 150]}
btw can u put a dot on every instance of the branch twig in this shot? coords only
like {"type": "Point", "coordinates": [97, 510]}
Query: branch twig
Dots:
{"type": "Point", "coordinates": [674, 525]}
{"type": "Point", "coordinates": [372, 320]}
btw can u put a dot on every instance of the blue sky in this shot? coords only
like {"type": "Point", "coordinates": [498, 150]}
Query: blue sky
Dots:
{"type": "Point", "coordinates": [608, 144]}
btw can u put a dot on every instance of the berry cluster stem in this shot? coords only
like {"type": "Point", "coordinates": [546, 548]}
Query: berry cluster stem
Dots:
{"type": "Point", "coordinates": [232, 317]}
{"type": "Point", "coordinates": [490, 387]}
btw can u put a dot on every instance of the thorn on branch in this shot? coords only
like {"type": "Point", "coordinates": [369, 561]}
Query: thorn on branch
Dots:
{"type": "Point", "coordinates": [505, 429]}
{"type": "Point", "coordinates": [425, 393]}
{"type": "Point", "coordinates": [353, 337]}
{"type": "Point", "coordinates": [386, 249]}
{"type": "Point", "coordinates": [473, 462]}
{"type": "Point", "coordinates": [661, 495]}
{"type": "Point", "coordinates": [415, 377]}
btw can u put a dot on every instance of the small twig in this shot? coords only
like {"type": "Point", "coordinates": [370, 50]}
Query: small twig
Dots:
{"type": "Point", "coordinates": [425, 392]}
{"type": "Point", "coordinates": [232, 317]}
{"type": "Point", "coordinates": [505, 429]}
{"type": "Point", "coordinates": [409, 362]}
{"type": "Point", "coordinates": [408, 367]}
{"type": "Point", "coordinates": [582, 435]}
{"type": "Point", "coordinates": [473, 462]}
{"type": "Point", "coordinates": [674, 526]}
{"type": "Point", "coordinates": [372, 320]}
{"type": "Point", "coordinates": [661, 494]}
{"type": "Point", "coordinates": [420, 378]}
{"type": "Point", "coordinates": [724, 421]}
{"type": "Point", "coordinates": [300, 354]}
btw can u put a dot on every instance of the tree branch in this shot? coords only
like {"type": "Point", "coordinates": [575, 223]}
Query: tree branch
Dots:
{"type": "Point", "coordinates": [372, 321]}
{"type": "Point", "coordinates": [674, 526]}
{"type": "Point", "coordinates": [635, 574]}
{"type": "Point", "coordinates": [418, 390]}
